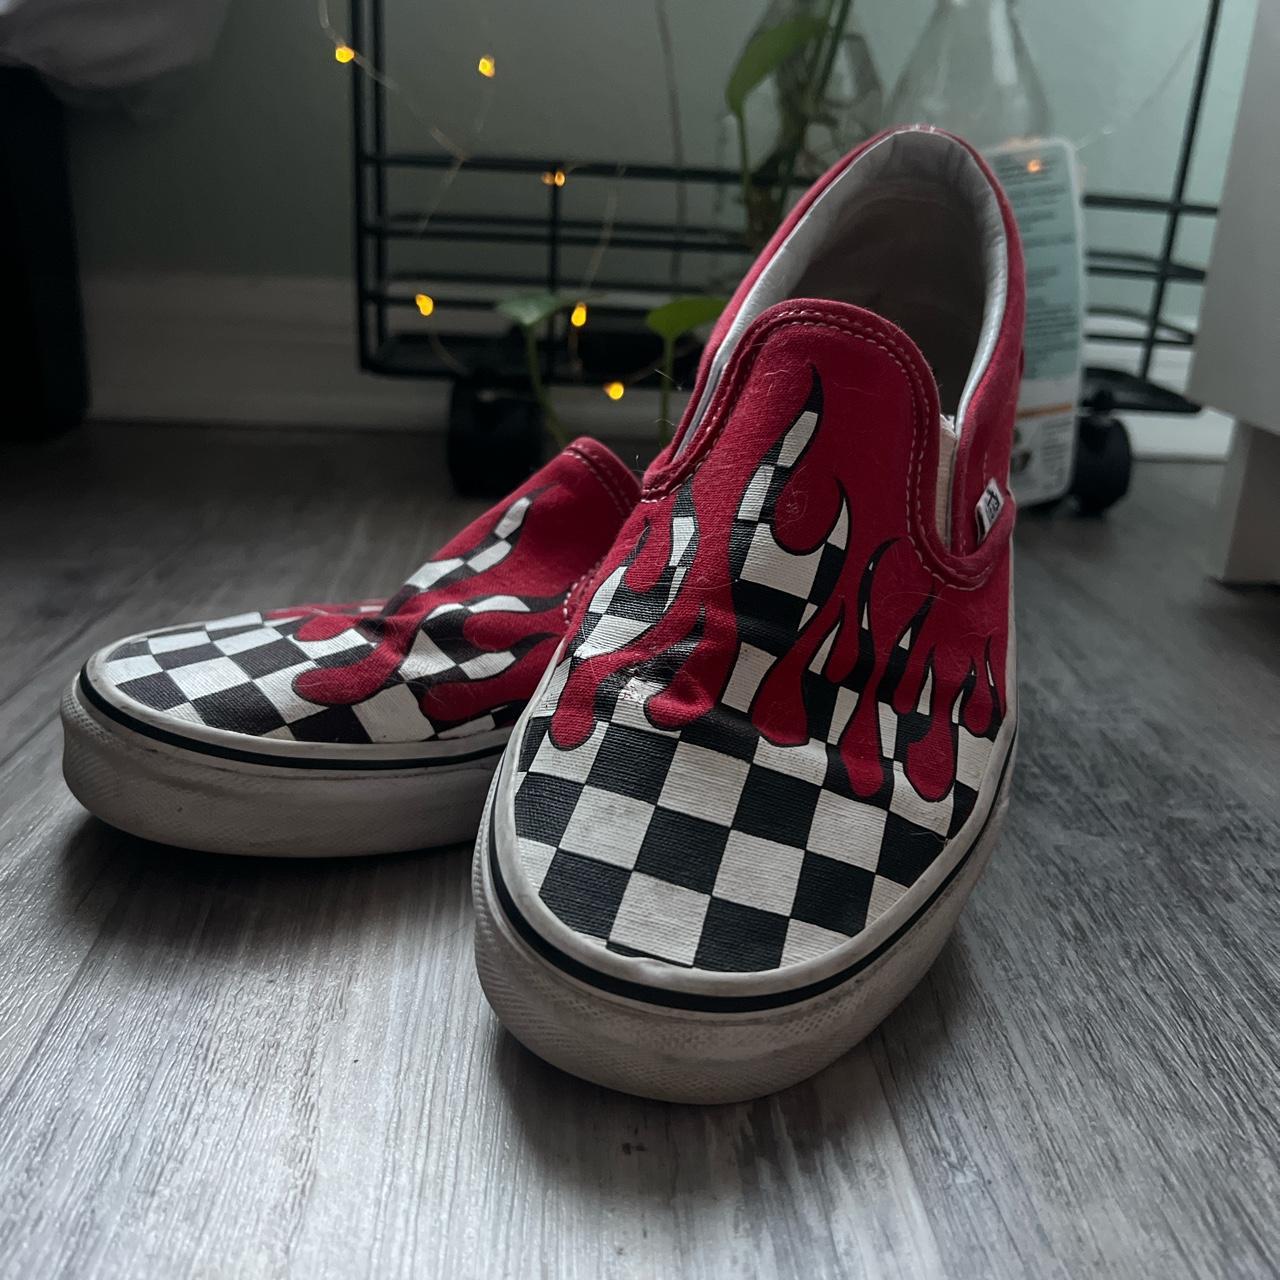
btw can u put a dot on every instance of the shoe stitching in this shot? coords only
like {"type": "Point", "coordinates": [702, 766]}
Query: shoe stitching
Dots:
{"type": "Point", "coordinates": [961, 578]}
{"type": "Point", "coordinates": [607, 482]}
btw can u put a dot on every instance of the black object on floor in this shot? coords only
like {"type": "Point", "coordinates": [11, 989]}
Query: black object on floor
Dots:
{"type": "Point", "coordinates": [1104, 457]}
{"type": "Point", "coordinates": [42, 353]}
{"type": "Point", "coordinates": [495, 438]}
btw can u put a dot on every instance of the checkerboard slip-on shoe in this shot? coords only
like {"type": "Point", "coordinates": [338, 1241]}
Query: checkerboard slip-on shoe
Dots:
{"type": "Point", "coordinates": [744, 808]}
{"type": "Point", "coordinates": [368, 728]}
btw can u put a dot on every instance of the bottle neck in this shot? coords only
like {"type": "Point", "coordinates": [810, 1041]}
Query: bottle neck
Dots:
{"type": "Point", "coordinates": [994, 23]}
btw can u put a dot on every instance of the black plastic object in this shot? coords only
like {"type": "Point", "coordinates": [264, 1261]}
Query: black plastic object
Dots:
{"type": "Point", "coordinates": [42, 355]}
{"type": "Point", "coordinates": [496, 441]}
{"type": "Point", "coordinates": [1104, 458]}
{"type": "Point", "coordinates": [1108, 389]}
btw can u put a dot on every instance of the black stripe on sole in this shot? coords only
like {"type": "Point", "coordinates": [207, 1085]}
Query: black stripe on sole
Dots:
{"type": "Point", "coordinates": [112, 712]}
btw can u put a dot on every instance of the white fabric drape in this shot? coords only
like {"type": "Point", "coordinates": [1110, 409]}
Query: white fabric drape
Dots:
{"type": "Point", "coordinates": [95, 46]}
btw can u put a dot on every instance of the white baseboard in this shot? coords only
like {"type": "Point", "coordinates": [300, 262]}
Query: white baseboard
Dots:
{"type": "Point", "coordinates": [234, 349]}
{"type": "Point", "coordinates": [281, 350]}
{"type": "Point", "coordinates": [277, 351]}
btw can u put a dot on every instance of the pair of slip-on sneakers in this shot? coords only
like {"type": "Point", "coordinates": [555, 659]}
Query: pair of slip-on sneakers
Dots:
{"type": "Point", "coordinates": [737, 741]}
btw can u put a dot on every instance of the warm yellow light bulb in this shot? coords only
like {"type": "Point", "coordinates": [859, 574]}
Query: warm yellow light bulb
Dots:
{"type": "Point", "coordinates": [578, 316]}
{"type": "Point", "coordinates": [425, 303]}
{"type": "Point", "coordinates": [487, 67]}
{"type": "Point", "coordinates": [614, 390]}
{"type": "Point", "coordinates": [344, 53]}
{"type": "Point", "coordinates": [1034, 166]}
{"type": "Point", "coordinates": [553, 178]}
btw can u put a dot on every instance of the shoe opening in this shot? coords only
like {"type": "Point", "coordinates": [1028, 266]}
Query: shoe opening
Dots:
{"type": "Point", "coordinates": [912, 231]}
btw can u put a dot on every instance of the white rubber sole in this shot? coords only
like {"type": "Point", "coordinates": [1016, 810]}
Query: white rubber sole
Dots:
{"type": "Point", "coordinates": [189, 798]}
{"type": "Point", "coordinates": [683, 1055]}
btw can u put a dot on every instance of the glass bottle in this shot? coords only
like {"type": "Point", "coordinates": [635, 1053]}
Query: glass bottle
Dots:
{"type": "Point", "coordinates": [971, 73]}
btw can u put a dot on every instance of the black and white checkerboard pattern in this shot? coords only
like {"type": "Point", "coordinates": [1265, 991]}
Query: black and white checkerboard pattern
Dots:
{"type": "Point", "coordinates": [776, 592]}
{"type": "Point", "coordinates": [709, 846]}
{"type": "Point", "coordinates": [491, 550]}
{"type": "Point", "coordinates": [240, 673]}
{"type": "Point", "coordinates": [617, 615]}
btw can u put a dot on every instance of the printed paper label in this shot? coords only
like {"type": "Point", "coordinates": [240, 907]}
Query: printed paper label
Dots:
{"type": "Point", "coordinates": [1042, 183]}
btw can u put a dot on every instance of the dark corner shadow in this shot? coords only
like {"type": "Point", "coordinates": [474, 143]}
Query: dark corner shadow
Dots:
{"type": "Point", "coordinates": [147, 896]}
{"type": "Point", "coordinates": [595, 1139]}
{"type": "Point", "coordinates": [1244, 615]}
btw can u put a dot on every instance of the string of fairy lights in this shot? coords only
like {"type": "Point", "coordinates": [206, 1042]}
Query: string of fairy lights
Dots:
{"type": "Point", "coordinates": [486, 67]}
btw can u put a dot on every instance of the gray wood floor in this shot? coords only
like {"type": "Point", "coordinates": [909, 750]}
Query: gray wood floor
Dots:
{"type": "Point", "coordinates": [215, 1067]}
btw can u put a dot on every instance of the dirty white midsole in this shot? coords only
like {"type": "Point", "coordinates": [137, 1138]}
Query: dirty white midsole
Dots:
{"type": "Point", "coordinates": [690, 1055]}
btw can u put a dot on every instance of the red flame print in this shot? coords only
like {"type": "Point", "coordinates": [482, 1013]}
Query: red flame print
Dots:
{"type": "Point", "coordinates": [885, 629]}
{"type": "Point", "coordinates": [500, 598]}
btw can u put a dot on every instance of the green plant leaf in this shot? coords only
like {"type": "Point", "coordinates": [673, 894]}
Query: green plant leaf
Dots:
{"type": "Point", "coordinates": [680, 315]}
{"type": "Point", "coordinates": [529, 310]}
{"type": "Point", "coordinates": [766, 51]}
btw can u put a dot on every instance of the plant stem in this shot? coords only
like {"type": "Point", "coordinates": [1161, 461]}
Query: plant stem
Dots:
{"type": "Point", "coordinates": [797, 112]}
{"type": "Point", "coordinates": [744, 164]}
{"type": "Point", "coordinates": [549, 418]}
{"type": "Point", "coordinates": [816, 91]}
{"type": "Point", "coordinates": [828, 64]}
{"type": "Point", "coordinates": [837, 34]}
{"type": "Point", "coordinates": [668, 376]}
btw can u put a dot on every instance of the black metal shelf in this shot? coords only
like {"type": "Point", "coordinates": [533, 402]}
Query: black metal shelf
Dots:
{"type": "Point", "coordinates": [387, 346]}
